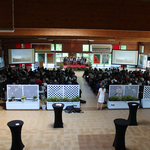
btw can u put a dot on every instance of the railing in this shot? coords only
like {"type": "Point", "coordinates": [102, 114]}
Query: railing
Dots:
{"type": "Point", "coordinates": [26, 90]}
{"type": "Point", "coordinates": [120, 90]}
{"type": "Point", "coordinates": [146, 92]}
{"type": "Point", "coordinates": [63, 90]}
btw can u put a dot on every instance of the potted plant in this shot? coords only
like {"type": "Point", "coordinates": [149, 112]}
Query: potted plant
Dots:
{"type": "Point", "coordinates": [13, 98]}
{"type": "Point", "coordinates": [114, 98]}
{"type": "Point", "coordinates": [61, 65]}
{"type": "Point", "coordinates": [115, 102]}
{"type": "Point", "coordinates": [43, 102]}
{"type": "Point", "coordinates": [53, 99]}
{"type": "Point", "coordinates": [75, 99]}
{"type": "Point", "coordinates": [35, 98]}
{"type": "Point", "coordinates": [23, 98]}
{"type": "Point", "coordinates": [66, 101]}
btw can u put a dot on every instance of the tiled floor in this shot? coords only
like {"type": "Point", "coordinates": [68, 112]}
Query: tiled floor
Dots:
{"type": "Point", "coordinates": [91, 130]}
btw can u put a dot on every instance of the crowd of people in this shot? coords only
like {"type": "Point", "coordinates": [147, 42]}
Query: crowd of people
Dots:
{"type": "Point", "coordinates": [74, 61]}
{"type": "Point", "coordinates": [97, 78]}
{"type": "Point", "coordinates": [40, 76]}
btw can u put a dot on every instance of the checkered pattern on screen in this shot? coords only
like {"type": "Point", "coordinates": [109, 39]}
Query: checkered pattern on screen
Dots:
{"type": "Point", "coordinates": [71, 91]}
{"type": "Point", "coordinates": [55, 90]}
{"type": "Point", "coordinates": [63, 90]}
{"type": "Point", "coordinates": [146, 92]}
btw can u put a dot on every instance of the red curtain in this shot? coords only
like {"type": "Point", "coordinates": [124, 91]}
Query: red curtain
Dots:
{"type": "Point", "coordinates": [49, 55]}
{"type": "Point", "coordinates": [27, 45]}
{"type": "Point", "coordinates": [28, 65]}
{"type": "Point", "coordinates": [18, 45]}
{"type": "Point", "coordinates": [115, 46]}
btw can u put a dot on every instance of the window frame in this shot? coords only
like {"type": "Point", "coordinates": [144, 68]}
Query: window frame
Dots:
{"type": "Point", "coordinates": [55, 45]}
{"type": "Point", "coordinates": [83, 48]}
{"type": "Point", "coordinates": [123, 48]}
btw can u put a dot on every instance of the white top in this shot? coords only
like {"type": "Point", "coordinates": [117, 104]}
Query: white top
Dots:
{"type": "Point", "coordinates": [101, 95]}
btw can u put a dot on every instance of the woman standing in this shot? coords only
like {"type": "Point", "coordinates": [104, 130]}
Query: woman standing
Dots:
{"type": "Point", "coordinates": [101, 96]}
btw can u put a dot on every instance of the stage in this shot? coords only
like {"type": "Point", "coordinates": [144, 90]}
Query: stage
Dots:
{"type": "Point", "coordinates": [73, 66]}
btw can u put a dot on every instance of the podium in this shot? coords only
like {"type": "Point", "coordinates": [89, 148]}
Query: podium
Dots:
{"type": "Point", "coordinates": [58, 107]}
{"type": "Point", "coordinates": [41, 64]}
{"type": "Point", "coordinates": [15, 127]}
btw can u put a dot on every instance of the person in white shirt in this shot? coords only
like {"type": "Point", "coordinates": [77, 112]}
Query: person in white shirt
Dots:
{"type": "Point", "coordinates": [101, 97]}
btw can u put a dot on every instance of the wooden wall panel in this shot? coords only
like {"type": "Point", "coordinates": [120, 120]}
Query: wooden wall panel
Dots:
{"type": "Point", "coordinates": [73, 47]}
{"type": "Point", "coordinates": [66, 47]}
{"type": "Point", "coordinates": [7, 46]}
{"type": "Point", "coordinates": [83, 14]}
{"type": "Point", "coordinates": [147, 49]}
{"type": "Point", "coordinates": [70, 46]}
{"type": "Point", "coordinates": [132, 47]}
{"type": "Point", "coordinates": [6, 14]}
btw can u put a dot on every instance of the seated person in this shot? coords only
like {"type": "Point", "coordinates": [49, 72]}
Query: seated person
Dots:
{"type": "Point", "coordinates": [74, 61]}
{"type": "Point", "coordinates": [71, 60]}
{"type": "Point", "coordinates": [84, 60]}
{"type": "Point", "coordinates": [81, 61]}
{"type": "Point", "coordinates": [78, 60]}
{"type": "Point", "coordinates": [65, 61]}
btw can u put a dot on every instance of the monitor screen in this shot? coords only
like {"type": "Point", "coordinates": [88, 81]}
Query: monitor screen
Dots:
{"type": "Point", "coordinates": [124, 57]}
{"type": "Point", "coordinates": [21, 56]}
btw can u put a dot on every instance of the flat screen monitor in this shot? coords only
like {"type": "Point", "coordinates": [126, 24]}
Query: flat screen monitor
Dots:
{"type": "Point", "coordinates": [21, 56]}
{"type": "Point", "coordinates": [124, 57]}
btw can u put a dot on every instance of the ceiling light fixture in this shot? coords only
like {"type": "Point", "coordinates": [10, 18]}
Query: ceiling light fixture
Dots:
{"type": "Point", "coordinates": [7, 30]}
{"type": "Point", "coordinates": [42, 38]}
{"type": "Point", "coordinates": [111, 39]}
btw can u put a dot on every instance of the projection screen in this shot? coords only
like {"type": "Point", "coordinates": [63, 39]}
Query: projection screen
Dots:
{"type": "Point", "coordinates": [21, 56]}
{"type": "Point", "coordinates": [124, 57]}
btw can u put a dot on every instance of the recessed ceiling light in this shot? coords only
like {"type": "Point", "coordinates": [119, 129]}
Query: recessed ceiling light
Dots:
{"type": "Point", "coordinates": [42, 38]}
{"type": "Point", "coordinates": [7, 30]}
{"type": "Point", "coordinates": [111, 39]}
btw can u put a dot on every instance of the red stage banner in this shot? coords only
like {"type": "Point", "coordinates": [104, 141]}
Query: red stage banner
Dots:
{"type": "Point", "coordinates": [18, 45]}
{"type": "Point", "coordinates": [115, 46]}
{"type": "Point", "coordinates": [49, 55]}
{"type": "Point", "coordinates": [27, 45]}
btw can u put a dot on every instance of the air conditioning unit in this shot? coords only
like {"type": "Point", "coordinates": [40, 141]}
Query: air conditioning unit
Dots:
{"type": "Point", "coordinates": [101, 48]}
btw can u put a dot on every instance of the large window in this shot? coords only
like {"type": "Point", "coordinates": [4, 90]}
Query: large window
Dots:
{"type": "Point", "coordinates": [86, 55]}
{"type": "Point", "coordinates": [57, 47]}
{"type": "Point", "coordinates": [85, 48]}
{"type": "Point", "coordinates": [52, 47]}
{"type": "Point", "coordinates": [79, 55]}
{"type": "Point", "coordinates": [60, 56]}
{"type": "Point", "coordinates": [123, 47]}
